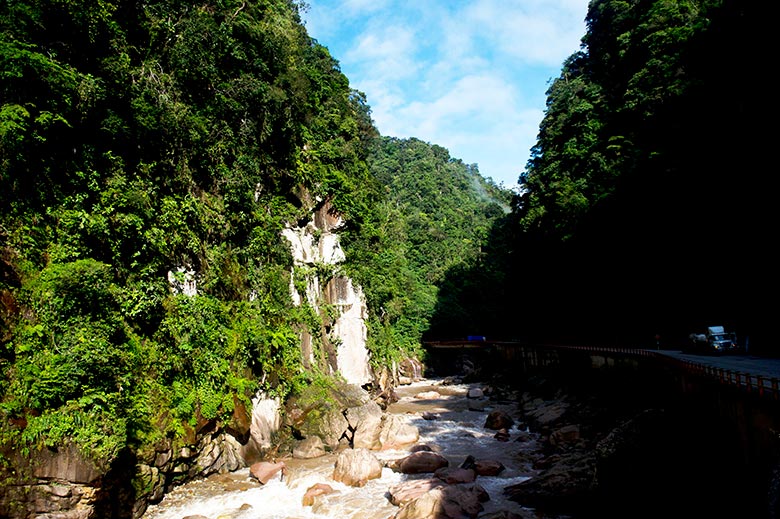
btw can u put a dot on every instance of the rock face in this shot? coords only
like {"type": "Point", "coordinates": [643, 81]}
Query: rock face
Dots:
{"type": "Point", "coordinates": [266, 421]}
{"type": "Point", "coordinates": [315, 246]}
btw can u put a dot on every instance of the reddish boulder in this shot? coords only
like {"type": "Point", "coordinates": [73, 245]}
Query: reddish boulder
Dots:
{"type": "Point", "coordinates": [265, 471]}
{"type": "Point", "coordinates": [313, 491]}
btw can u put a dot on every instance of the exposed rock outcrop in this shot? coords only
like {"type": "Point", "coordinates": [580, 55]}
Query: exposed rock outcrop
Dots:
{"type": "Point", "coordinates": [316, 249]}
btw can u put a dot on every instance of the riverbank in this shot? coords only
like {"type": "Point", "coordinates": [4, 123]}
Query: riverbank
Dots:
{"type": "Point", "coordinates": [573, 448]}
{"type": "Point", "coordinates": [450, 423]}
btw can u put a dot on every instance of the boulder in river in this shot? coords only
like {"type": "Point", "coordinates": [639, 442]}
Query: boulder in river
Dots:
{"type": "Point", "coordinates": [497, 420]}
{"type": "Point", "coordinates": [447, 502]}
{"type": "Point", "coordinates": [318, 489]}
{"type": "Point", "coordinates": [408, 491]}
{"type": "Point", "coordinates": [454, 475]}
{"type": "Point", "coordinates": [421, 462]}
{"type": "Point", "coordinates": [265, 471]}
{"type": "Point", "coordinates": [355, 467]}
{"type": "Point", "coordinates": [311, 447]}
{"type": "Point", "coordinates": [396, 433]}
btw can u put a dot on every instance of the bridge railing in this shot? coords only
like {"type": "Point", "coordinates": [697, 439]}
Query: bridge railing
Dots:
{"type": "Point", "coordinates": [765, 387]}
{"type": "Point", "coordinates": [758, 384]}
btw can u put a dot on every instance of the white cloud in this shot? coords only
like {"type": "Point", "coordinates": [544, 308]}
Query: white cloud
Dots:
{"type": "Point", "coordinates": [469, 76]}
{"type": "Point", "coordinates": [386, 54]}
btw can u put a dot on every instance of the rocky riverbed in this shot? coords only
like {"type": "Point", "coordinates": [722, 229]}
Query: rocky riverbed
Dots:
{"type": "Point", "coordinates": [449, 449]}
{"type": "Point", "coordinates": [469, 446]}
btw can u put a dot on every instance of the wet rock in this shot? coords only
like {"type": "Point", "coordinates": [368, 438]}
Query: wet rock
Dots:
{"type": "Point", "coordinates": [396, 433]}
{"type": "Point", "coordinates": [265, 471]}
{"type": "Point", "coordinates": [311, 447]}
{"type": "Point", "coordinates": [565, 485]}
{"type": "Point", "coordinates": [366, 422]}
{"type": "Point", "coordinates": [502, 435]}
{"type": "Point", "coordinates": [448, 502]}
{"type": "Point", "coordinates": [542, 414]}
{"type": "Point", "coordinates": [355, 467]}
{"type": "Point", "coordinates": [454, 475]}
{"type": "Point", "coordinates": [503, 514]}
{"type": "Point", "coordinates": [489, 467]}
{"type": "Point", "coordinates": [428, 395]}
{"type": "Point", "coordinates": [318, 489]}
{"type": "Point", "coordinates": [475, 392]}
{"type": "Point", "coordinates": [498, 420]}
{"type": "Point", "coordinates": [408, 491]}
{"type": "Point", "coordinates": [422, 462]}
{"type": "Point", "coordinates": [565, 436]}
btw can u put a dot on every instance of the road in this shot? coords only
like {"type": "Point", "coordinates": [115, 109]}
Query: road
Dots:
{"type": "Point", "coordinates": [765, 367]}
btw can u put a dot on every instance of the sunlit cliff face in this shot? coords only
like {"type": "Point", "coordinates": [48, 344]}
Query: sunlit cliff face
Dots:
{"type": "Point", "coordinates": [316, 248]}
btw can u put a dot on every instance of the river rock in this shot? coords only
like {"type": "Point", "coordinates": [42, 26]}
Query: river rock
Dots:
{"type": "Point", "coordinates": [488, 467]}
{"type": "Point", "coordinates": [396, 433]}
{"type": "Point", "coordinates": [475, 392]}
{"type": "Point", "coordinates": [453, 475]}
{"type": "Point", "coordinates": [318, 489]}
{"type": "Point", "coordinates": [448, 502]}
{"type": "Point", "coordinates": [265, 471]}
{"type": "Point", "coordinates": [408, 491]}
{"type": "Point", "coordinates": [502, 435]}
{"type": "Point", "coordinates": [422, 462]}
{"type": "Point", "coordinates": [366, 422]}
{"type": "Point", "coordinates": [355, 467]}
{"type": "Point", "coordinates": [567, 435]}
{"type": "Point", "coordinates": [428, 395]}
{"type": "Point", "coordinates": [311, 447]}
{"type": "Point", "coordinates": [565, 485]}
{"type": "Point", "coordinates": [497, 420]}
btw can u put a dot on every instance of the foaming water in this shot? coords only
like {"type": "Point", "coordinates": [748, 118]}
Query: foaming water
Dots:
{"type": "Point", "coordinates": [452, 430]}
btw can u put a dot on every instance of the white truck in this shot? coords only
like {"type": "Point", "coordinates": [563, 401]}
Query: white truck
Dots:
{"type": "Point", "coordinates": [715, 340]}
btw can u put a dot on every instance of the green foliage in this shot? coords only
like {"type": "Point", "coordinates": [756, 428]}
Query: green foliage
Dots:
{"type": "Point", "coordinates": [436, 216]}
{"type": "Point", "coordinates": [645, 150]}
{"type": "Point", "coordinates": [136, 139]}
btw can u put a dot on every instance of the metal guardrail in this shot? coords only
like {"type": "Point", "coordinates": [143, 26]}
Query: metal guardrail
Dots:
{"type": "Point", "coordinates": [763, 386]}
{"type": "Point", "coordinates": [754, 384]}
{"type": "Point", "coordinates": [758, 384]}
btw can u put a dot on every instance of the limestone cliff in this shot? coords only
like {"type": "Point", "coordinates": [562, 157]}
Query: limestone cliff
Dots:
{"type": "Point", "coordinates": [339, 346]}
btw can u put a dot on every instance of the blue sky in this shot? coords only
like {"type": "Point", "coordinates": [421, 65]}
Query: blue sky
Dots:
{"type": "Point", "coordinates": [467, 75]}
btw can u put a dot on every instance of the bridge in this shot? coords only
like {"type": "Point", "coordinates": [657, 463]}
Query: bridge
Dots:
{"type": "Point", "coordinates": [752, 374]}
{"type": "Point", "coordinates": [738, 393]}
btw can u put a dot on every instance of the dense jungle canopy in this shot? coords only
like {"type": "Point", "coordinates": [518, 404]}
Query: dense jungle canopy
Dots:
{"type": "Point", "coordinates": [138, 138]}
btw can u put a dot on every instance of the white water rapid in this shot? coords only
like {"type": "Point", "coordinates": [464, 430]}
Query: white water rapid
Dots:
{"type": "Point", "coordinates": [452, 429]}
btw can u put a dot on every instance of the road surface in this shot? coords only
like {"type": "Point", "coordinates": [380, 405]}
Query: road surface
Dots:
{"type": "Point", "coordinates": [765, 367]}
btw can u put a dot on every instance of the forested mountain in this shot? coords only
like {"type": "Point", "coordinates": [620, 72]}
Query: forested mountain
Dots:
{"type": "Point", "coordinates": [152, 156]}
{"type": "Point", "coordinates": [149, 147]}
{"type": "Point", "coordinates": [140, 143]}
{"type": "Point", "coordinates": [435, 217]}
{"type": "Point", "coordinates": [645, 208]}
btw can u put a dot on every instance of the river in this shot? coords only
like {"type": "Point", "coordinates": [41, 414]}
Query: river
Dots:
{"type": "Point", "coordinates": [452, 424]}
